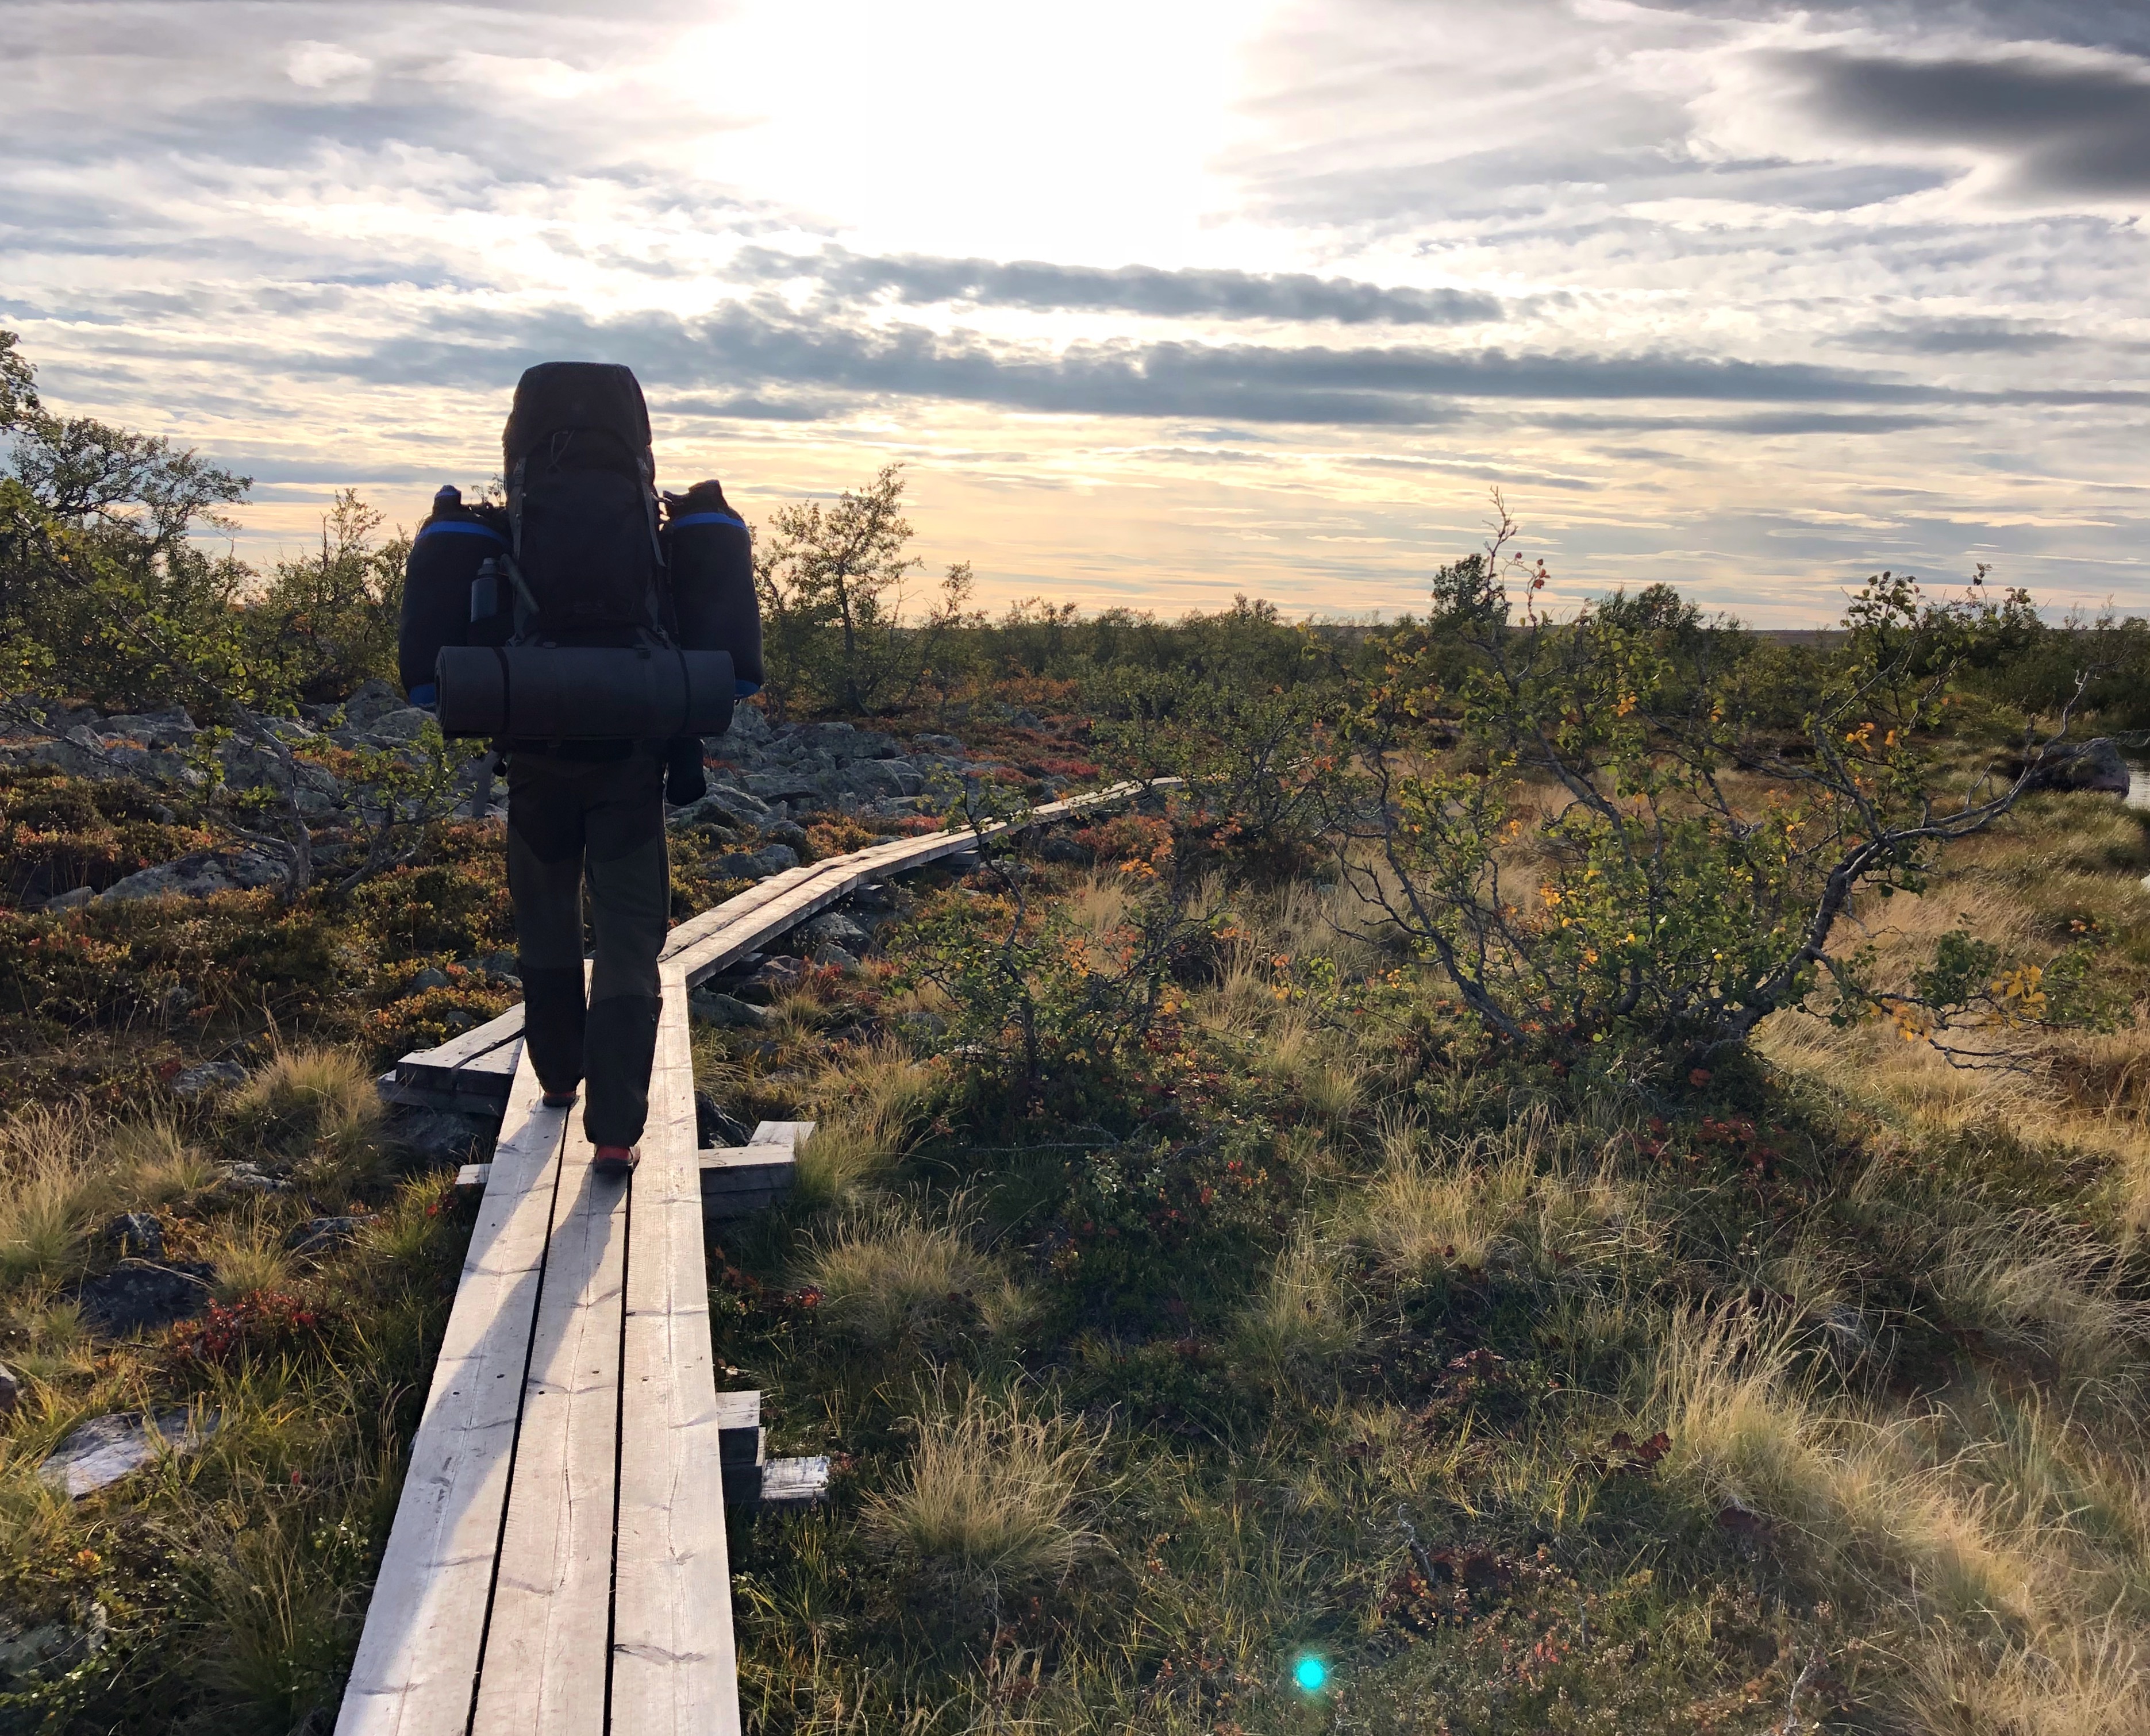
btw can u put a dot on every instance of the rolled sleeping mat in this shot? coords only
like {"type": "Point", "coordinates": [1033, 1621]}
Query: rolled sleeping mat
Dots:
{"type": "Point", "coordinates": [583, 693]}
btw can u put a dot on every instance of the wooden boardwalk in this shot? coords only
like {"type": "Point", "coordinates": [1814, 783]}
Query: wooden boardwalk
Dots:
{"type": "Point", "coordinates": [558, 1559]}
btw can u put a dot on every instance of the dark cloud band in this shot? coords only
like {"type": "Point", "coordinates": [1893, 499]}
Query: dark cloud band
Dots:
{"type": "Point", "coordinates": [919, 280]}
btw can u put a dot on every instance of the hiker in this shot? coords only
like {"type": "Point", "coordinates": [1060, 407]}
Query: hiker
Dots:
{"type": "Point", "coordinates": [596, 643]}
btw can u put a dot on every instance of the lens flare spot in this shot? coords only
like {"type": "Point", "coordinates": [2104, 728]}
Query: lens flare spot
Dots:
{"type": "Point", "coordinates": [1311, 1675]}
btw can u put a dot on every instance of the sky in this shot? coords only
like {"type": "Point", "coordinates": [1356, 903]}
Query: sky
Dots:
{"type": "Point", "coordinates": [1159, 302]}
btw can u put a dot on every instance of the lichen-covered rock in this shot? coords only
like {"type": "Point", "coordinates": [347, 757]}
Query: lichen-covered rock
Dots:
{"type": "Point", "coordinates": [137, 1233]}
{"type": "Point", "coordinates": [138, 1294]}
{"type": "Point", "coordinates": [107, 1448]}
{"type": "Point", "coordinates": [206, 871]}
{"type": "Point", "coordinates": [758, 864]}
{"type": "Point", "coordinates": [834, 929]}
{"type": "Point", "coordinates": [207, 1075]}
{"type": "Point", "coordinates": [706, 1007]}
{"type": "Point", "coordinates": [2094, 765]}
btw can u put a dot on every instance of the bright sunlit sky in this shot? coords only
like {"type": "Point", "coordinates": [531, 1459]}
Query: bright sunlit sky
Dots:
{"type": "Point", "coordinates": [1157, 302]}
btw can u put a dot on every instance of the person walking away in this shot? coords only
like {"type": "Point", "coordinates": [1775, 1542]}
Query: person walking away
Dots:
{"type": "Point", "coordinates": [578, 558]}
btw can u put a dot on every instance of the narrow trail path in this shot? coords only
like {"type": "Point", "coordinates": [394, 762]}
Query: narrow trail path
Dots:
{"type": "Point", "coordinates": [558, 1560]}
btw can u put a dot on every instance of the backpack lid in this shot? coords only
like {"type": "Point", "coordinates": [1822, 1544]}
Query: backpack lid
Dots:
{"type": "Point", "coordinates": [556, 394]}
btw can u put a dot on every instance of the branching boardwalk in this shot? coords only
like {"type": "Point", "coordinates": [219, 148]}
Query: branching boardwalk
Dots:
{"type": "Point", "coordinates": [558, 1559]}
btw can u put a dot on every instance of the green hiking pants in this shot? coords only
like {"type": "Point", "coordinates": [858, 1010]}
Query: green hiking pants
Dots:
{"type": "Point", "coordinates": [599, 823]}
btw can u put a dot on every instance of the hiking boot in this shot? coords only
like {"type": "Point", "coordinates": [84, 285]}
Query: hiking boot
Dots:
{"type": "Point", "coordinates": [616, 1160]}
{"type": "Point", "coordinates": [561, 1099]}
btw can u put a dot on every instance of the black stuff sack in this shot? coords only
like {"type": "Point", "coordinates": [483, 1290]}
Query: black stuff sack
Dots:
{"type": "Point", "coordinates": [710, 560]}
{"type": "Point", "coordinates": [452, 544]}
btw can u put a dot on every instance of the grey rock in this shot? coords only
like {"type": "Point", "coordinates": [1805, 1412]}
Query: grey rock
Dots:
{"type": "Point", "coordinates": [172, 729]}
{"type": "Point", "coordinates": [715, 1127]}
{"type": "Point", "coordinates": [245, 1178]}
{"type": "Point", "coordinates": [759, 865]}
{"type": "Point", "coordinates": [885, 777]}
{"type": "Point", "coordinates": [138, 1293]}
{"type": "Point", "coordinates": [247, 766]}
{"type": "Point", "coordinates": [1026, 719]}
{"type": "Point", "coordinates": [721, 809]}
{"type": "Point", "coordinates": [76, 759]}
{"type": "Point", "coordinates": [948, 744]}
{"type": "Point", "coordinates": [772, 979]}
{"type": "Point", "coordinates": [2088, 766]}
{"type": "Point", "coordinates": [785, 831]}
{"type": "Point", "coordinates": [49, 1647]}
{"type": "Point", "coordinates": [430, 978]}
{"type": "Point", "coordinates": [317, 1235]}
{"type": "Point", "coordinates": [834, 929]}
{"type": "Point", "coordinates": [373, 699]}
{"type": "Point", "coordinates": [734, 797]}
{"type": "Point", "coordinates": [873, 896]}
{"type": "Point", "coordinates": [199, 875]}
{"type": "Point", "coordinates": [724, 1011]}
{"type": "Point", "coordinates": [750, 727]}
{"type": "Point", "coordinates": [107, 1448]}
{"type": "Point", "coordinates": [11, 1389]}
{"type": "Point", "coordinates": [207, 1075]}
{"type": "Point", "coordinates": [137, 1233]}
{"type": "Point", "coordinates": [802, 789]}
{"type": "Point", "coordinates": [70, 900]}
{"type": "Point", "coordinates": [1059, 847]}
{"type": "Point", "coordinates": [396, 727]}
{"type": "Point", "coordinates": [440, 1135]}
{"type": "Point", "coordinates": [834, 958]}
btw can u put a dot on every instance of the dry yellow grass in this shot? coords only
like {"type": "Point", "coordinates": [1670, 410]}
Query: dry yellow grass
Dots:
{"type": "Point", "coordinates": [316, 1110]}
{"type": "Point", "coordinates": [54, 1182]}
{"type": "Point", "coordinates": [867, 1100]}
{"type": "Point", "coordinates": [992, 1493]}
{"type": "Point", "coordinates": [892, 1275]}
{"type": "Point", "coordinates": [1301, 1319]}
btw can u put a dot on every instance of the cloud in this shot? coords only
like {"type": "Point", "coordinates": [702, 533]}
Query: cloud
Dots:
{"type": "Point", "coordinates": [2061, 127]}
{"type": "Point", "coordinates": [748, 348]}
{"type": "Point", "coordinates": [1216, 294]}
{"type": "Point", "coordinates": [1959, 337]}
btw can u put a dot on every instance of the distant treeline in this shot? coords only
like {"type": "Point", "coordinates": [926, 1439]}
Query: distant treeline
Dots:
{"type": "Point", "coordinates": [108, 595]}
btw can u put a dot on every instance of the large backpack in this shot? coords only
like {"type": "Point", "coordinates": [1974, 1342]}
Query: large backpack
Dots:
{"type": "Point", "coordinates": [582, 507]}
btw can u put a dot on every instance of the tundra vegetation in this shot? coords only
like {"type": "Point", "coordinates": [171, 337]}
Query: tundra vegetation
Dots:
{"type": "Point", "coordinates": [1591, 1174]}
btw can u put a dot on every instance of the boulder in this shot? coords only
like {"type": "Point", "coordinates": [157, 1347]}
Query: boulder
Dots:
{"type": "Point", "coordinates": [396, 728]}
{"type": "Point", "coordinates": [750, 728]}
{"type": "Point", "coordinates": [137, 1233]}
{"type": "Point", "coordinates": [772, 979]}
{"type": "Point", "coordinates": [439, 1135]}
{"type": "Point", "coordinates": [47, 1649]}
{"type": "Point", "coordinates": [758, 864]}
{"type": "Point", "coordinates": [11, 1389]}
{"type": "Point", "coordinates": [1059, 847]}
{"type": "Point", "coordinates": [373, 699]}
{"type": "Point", "coordinates": [785, 831]}
{"type": "Point", "coordinates": [243, 1178]}
{"type": "Point", "coordinates": [714, 1127]}
{"type": "Point", "coordinates": [199, 875]}
{"type": "Point", "coordinates": [317, 1235]}
{"type": "Point", "coordinates": [834, 929]}
{"type": "Point", "coordinates": [2091, 765]}
{"type": "Point", "coordinates": [735, 799]}
{"type": "Point", "coordinates": [724, 1011]}
{"type": "Point", "coordinates": [208, 1075]}
{"type": "Point", "coordinates": [832, 957]}
{"type": "Point", "coordinates": [433, 976]}
{"type": "Point", "coordinates": [725, 810]}
{"type": "Point", "coordinates": [107, 1448]}
{"type": "Point", "coordinates": [140, 1294]}
{"type": "Point", "coordinates": [70, 900]}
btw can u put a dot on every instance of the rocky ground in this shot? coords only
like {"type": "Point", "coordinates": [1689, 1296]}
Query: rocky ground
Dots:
{"type": "Point", "coordinates": [346, 772]}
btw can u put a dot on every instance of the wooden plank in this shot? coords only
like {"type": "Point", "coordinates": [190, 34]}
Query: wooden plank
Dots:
{"type": "Point", "coordinates": [727, 932]}
{"type": "Point", "coordinates": [544, 1663]}
{"type": "Point", "coordinates": [418, 1657]}
{"type": "Point", "coordinates": [675, 1671]}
